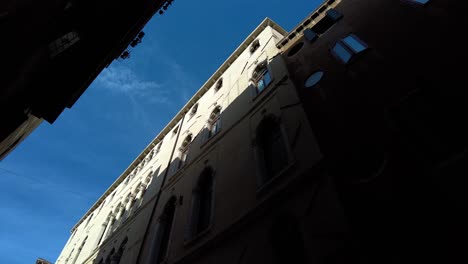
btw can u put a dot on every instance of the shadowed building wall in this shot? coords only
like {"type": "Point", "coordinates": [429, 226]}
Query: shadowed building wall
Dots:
{"type": "Point", "coordinates": [326, 144]}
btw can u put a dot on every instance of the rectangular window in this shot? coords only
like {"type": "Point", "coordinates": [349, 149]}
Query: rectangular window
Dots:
{"type": "Point", "coordinates": [341, 52]}
{"type": "Point", "coordinates": [264, 81]}
{"type": "Point", "coordinates": [354, 43]}
{"type": "Point", "coordinates": [334, 15]}
{"type": "Point", "coordinates": [214, 128]}
{"type": "Point", "coordinates": [202, 204]}
{"type": "Point", "coordinates": [274, 153]}
{"type": "Point", "coordinates": [271, 148]}
{"type": "Point", "coordinates": [183, 157]}
{"type": "Point", "coordinates": [348, 47]}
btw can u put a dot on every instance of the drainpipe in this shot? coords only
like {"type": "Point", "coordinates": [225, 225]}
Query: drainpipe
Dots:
{"type": "Point", "coordinates": [153, 212]}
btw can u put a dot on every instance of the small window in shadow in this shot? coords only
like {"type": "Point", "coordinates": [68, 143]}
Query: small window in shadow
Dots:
{"type": "Point", "coordinates": [348, 48]}
{"type": "Point", "coordinates": [202, 203]}
{"type": "Point", "coordinates": [164, 231]}
{"type": "Point", "coordinates": [271, 148]}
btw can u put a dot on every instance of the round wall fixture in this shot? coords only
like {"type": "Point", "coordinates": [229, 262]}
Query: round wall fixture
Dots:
{"type": "Point", "coordinates": [295, 49]}
{"type": "Point", "coordinates": [313, 79]}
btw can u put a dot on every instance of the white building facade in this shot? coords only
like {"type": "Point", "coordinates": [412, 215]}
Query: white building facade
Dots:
{"type": "Point", "coordinates": [204, 190]}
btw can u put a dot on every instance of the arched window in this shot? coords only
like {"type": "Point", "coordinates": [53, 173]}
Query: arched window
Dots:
{"type": "Point", "coordinates": [127, 206]}
{"type": "Point", "coordinates": [202, 202]}
{"type": "Point", "coordinates": [219, 84]}
{"type": "Point", "coordinates": [194, 110]}
{"type": "Point", "coordinates": [89, 219]}
{"type": "Point", "coordinates": [149, 178]}
{"type": "Point", "coordinates": [133, 200]}
{"type": "Point", "coordinates": [139, 192]}
{"type": "Point", "coordinates": [112, 196]}
{"type": "Point", "coordinates": [164, 231]}
{"type": "Point", "coordinates": [69, 255]}
{"type": "Point", "coordinates": [214, 122]}
{"type": "Point", "coordinates": [151, 154]}
{"type": "Point", "coordinates": [261, 77]}
{"type": "Point", "coordinates": [107, 227]}
{"type": "Point", "coordinates": [114, 224]}
{"type": "Point", "coordinates": [109, 257]}
{"type": "Point", "coordinates": [271, 148]}
{"type": "Point", "coordinates": [158, 147]}
{"type": "Point", "coordinates": [254, 46]}
{"type": "Point", "coordinates": [71, 238]}
{"type": "Point", "coordinates": [118, 211]}
{"type": "Point", "coordinates": [118, 255]}
{"type": "Point", "coordinates": [79, 250]}
{"type": "Point", "coordinates": [184, 150]}
{"type": "Point", "coordinates": [100, 207]}
{"type": "Point", "coordinates": [111, 225]}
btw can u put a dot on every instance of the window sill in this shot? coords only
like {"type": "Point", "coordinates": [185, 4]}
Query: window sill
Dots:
{"type": "Point", "coordinates": [269, 89]}
{"type": "Point", "coordinates": [210, 139]}
{"type": "Point", "coordinates": [259, 94]}
{"type": "Point", "coordinates": [176, 174]}
{"type": "Point", "coordinates": [261, 190]}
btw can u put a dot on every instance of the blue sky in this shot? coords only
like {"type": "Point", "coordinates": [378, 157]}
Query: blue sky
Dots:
{"type": "Point", "coordinates": [60, 170]}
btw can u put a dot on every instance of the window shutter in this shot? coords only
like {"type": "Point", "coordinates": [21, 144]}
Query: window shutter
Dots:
{"type": "Point", "coordinates": [220, 122]}
{"type": "Point", "coordinates": [334, 15]}
{"type": "Point", "coordinates": [253, 90]}
{"type": "Point", "coordinates": [205, 134]}
{"type": "Point", "coordinates": [310, 35]}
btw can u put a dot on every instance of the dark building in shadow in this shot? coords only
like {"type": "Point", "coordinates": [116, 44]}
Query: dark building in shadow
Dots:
{"type": "Point", "coordinates": [338, 142]}
{"type": "Point", "coordinates": [53, 50]}
{"type": "Point", "coordinates": [379, 92]}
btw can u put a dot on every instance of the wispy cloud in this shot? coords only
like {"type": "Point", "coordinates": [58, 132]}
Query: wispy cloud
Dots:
{"type": "Point", "coordinates": [178, 76]}
{"type": "Point", "coordinates": [44, 185]}
{"type": "Point", "coordinates": [184, 80]}
{"type": "Point", "coordinates": [120, 78]}
{"type": "Point", "coordinates": [152, 77]}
